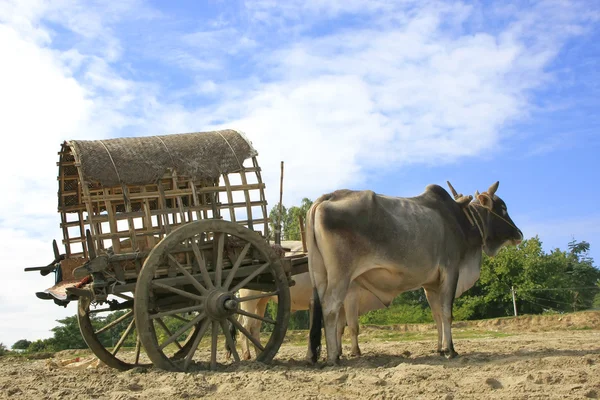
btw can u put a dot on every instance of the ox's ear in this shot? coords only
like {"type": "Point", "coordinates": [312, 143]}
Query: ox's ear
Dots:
{"type": "Point", "coordinates": [485, 200]}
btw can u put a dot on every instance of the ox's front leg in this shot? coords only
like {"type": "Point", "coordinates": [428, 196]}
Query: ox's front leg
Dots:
{"type": "Point", "coordinates": [351, 312]}
{"type": "Point", "coordinates": [448, 291]}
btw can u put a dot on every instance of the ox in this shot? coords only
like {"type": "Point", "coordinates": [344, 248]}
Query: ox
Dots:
{"type": "Point", "coordinates": [388, 245]}
{"type": "Point", "coordinates": [357, 302]}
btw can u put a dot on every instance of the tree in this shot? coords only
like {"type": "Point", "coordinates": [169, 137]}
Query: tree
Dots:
{"type": "Point", "coordinates": [290, 219]}
{"type": "Point", "coordinates": [67, 335]}
{"type": "Point", "coordinates": [3, 349]}
{"type": "Point", "coordinates": [274, 219]}
{"type": "Point", "coordinates": [292, 231]}
{"type": "Point", "coordinates": [22, 344]}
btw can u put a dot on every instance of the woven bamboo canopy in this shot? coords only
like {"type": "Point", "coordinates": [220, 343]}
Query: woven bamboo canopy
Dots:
{"type": "Point", "coordinates": [144, 160]}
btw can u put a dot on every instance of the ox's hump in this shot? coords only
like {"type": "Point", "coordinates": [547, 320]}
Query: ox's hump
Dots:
{"type": "Point", "coordinates": [437, 191]}
{"type": "Point", "coordinates": [343, 194]}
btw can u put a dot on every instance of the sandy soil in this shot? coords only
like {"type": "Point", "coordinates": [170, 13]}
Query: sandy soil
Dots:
{"type": "Point", "coordinates": [526, 358]}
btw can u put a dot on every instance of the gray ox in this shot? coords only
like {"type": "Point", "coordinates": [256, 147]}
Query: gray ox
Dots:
{"type": "Point", "coordinates": [388, 245]}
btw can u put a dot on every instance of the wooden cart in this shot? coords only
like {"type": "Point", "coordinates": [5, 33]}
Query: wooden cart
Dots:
{"type": "Point", "coordinates": [160, 233]}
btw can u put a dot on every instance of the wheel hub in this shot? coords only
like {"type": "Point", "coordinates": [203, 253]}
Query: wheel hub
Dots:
{"type": "Point", "coordinates": [220, 304]}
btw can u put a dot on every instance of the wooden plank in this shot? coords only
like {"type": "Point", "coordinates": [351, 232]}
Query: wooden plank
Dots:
{"type": "Point", "coordinates": [263, 199]}
{"type": "Point", "coordinates": [229, 197]}
{"type": "Point", "coordinates": [248, 202]}
{"type": "Point", "coordinates": [112, 222]}
{"type": "Point", "coordinates": [130, 223]}
{"type": "Point", "coordinates": [172, 193]}
{"type": "Point", "coordinates": [150, 240]}
{"type": "Point", "coordinates": [162, 201]}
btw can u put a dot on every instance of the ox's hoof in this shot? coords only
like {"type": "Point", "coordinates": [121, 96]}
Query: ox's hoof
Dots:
{"type": "Point", "coordinates": [449, 353]}
{"type": "Point", "coordinates": [355, 353]}
{"type": "Point", "coordinates": [333, 362]}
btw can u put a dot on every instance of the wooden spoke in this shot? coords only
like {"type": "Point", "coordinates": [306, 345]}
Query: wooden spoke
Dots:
{"type": "Point", "coordinates": [99, 310]}
{"type": "Point", "coordinates": [184, 328]}
{"type": "Point", "coordinates": [253, 275]}
{"type": "Point", "coordinates": [202, 264]}
{"type": "Point", "coordinates": [115, 322]}
{"type": "Point", "coordinates": [179, 317]}
{"type": "Point", "coordinates": [230, 341]}
{"type": "Point", "coordinates": [123, 296]}
{"type": "Point", "coordinates": [189, 276]}
{"type": "Point", "coordinates": [168, 331]}
{"type": "Point", "coordinates": [123, 337]}
{"type": "Point", "coordinates": [235, 267]}
{"type": "Point", "coordinates": [178, 291]}
{"type": "Point", "coordinates": [219, 263]}
{"type": "Point", "coordinates": [257, 296]}
{"type": "Point", "coordinates": [177, 311]}
{"type": "Point", "coordinates": [255, 316]}
{"type": "Point", "coordinates": [239, 326]}
{"type": "Point", "coordinates": [190, 355]}
{"type": "Point", "coordinates": [138, 347]}
{"type": "Point", "coordinates": [213, 347]}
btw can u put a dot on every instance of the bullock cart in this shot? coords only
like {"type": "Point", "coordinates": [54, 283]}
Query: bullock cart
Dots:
{"type": "Point", "coordinates": [160, 233]}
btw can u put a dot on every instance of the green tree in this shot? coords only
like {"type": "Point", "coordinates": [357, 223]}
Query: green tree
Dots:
{"type": "Point", "coordinates": [67, 335]}
{"type": "Point", "coordinates": [290, 219]}
{"type": "Point", "coordinates": [274, 219]}
{"type": "Point", "coordinates": [43, 345]}
{"type": "Point", "coordinates": [292, 230]}
{"type": "Point", "coordinates": [22, 344]}
{"type": "Point", "coordinates": [3, 349]}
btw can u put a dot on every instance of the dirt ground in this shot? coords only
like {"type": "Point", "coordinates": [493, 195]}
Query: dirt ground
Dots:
{"type": "Point", "coordinates": [549, 357]}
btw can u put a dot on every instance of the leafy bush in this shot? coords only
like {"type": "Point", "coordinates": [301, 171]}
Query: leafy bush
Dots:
{"type": "Point", "coordinates": [397, 314]}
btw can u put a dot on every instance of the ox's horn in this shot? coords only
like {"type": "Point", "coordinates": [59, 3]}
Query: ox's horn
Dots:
{"type": "Point", "coordinates": [454, 193]}
{"type": "Point", "coordinates": [463, 201]}
{"type": "Point", "coordinates": [476, 193]}
{"type": "Point", "coordinates": [493, 188]}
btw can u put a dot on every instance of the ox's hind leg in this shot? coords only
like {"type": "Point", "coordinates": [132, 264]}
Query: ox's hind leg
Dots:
{"type": "Point", "coordinates": [332, 301]}
{"type": "Point", "coordinates": [433, 298]}
{"type": "Point", "coordinates": [341, 325]}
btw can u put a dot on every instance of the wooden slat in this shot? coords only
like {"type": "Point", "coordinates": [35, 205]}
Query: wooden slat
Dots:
{"type": "Point", "coordinates": [262, 196]}
{"type": "Point", "coordinates": [130, 225]}
{"type": "Point", "coordinates": [112, 222]}
{"type": "Point", "coordinates": [247, 198]}
{"type": "Point", "coordinates": [182, 192]}
{"type": "Point", "coordinates": [229, 197]}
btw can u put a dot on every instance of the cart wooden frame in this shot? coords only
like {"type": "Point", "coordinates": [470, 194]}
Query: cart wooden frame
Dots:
{"type": "Point", "coordinates": [165, 230]}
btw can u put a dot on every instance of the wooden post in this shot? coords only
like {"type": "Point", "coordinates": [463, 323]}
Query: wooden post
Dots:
{"type": "Point", "coordinates": [512, 290]}
{"type": "Point", "coordinates": [278, 228]}
{"type": "Point", "coordinates": [302, 233]}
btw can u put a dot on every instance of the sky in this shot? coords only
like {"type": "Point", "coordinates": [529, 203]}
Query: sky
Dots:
{"type": "Point", "coordinates": [383, 95]}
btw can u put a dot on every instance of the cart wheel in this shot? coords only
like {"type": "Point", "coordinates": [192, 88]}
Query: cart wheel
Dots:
{"type": "Point", "coordinates": [199, 267]}
{"type": "Point", "coordinates": [111, 336]}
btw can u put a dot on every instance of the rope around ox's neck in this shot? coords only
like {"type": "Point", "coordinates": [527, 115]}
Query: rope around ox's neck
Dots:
{"type": "Point", "coordinates": [471, 212]}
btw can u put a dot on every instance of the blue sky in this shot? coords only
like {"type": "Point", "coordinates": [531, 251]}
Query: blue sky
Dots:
{"type": "Point", "coordinates": [384, 95]}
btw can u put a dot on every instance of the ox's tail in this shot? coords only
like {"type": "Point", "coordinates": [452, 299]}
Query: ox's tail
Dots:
{"type": "Point", "coordinates": [315, 327]}
{"type": "Point", "coordinates": [315, 261]}
{"type": "Point", "coordinates": [233, 333]}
